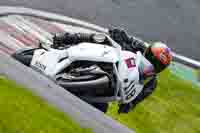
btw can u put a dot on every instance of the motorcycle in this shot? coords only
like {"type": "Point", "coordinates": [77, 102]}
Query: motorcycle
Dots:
{"type": "Point", "coordinates": [96, 73]}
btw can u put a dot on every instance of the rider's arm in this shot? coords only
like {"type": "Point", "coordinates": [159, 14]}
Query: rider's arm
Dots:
{"type": "Point", "coordinates": [127, 42]}
{"type": "Point", "coordinates": [149, 87]}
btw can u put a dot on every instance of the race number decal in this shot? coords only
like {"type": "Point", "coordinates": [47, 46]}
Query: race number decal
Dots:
{"type": "Point", "coordinates": [130, 90]}
{"type": "Point", "coordinates": [130, 62]}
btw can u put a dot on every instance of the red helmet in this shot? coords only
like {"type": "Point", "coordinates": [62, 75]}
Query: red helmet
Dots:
{"type": "Point", "coordinates": [159, 55]}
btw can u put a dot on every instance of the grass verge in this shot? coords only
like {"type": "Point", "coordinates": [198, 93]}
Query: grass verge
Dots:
{"type": "Point", "coordinates": [198, 74]}
{"type": "Point", "coordinates": [173, 108]}
{"type": "Point", "coordinates": [22, 112]}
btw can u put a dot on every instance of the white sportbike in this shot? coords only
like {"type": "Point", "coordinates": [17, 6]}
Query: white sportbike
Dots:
{"type": "Point", "coordinates": [93, 72]}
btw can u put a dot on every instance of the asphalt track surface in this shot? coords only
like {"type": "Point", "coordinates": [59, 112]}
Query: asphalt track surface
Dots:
{"type": "Point", "coordinates": [175, 22]}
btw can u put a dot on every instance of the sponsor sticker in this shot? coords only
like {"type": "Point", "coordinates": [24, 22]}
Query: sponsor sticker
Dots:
{"type": "Point", "coordinates": [130, 62]}
{"type": "Point", "coordinates": [40, 66]}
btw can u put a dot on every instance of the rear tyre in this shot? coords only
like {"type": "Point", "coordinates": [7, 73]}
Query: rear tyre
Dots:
{"type": "Point", "coordinates": [101, 106]}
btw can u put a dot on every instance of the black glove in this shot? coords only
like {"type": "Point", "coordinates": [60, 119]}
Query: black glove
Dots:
{"type": "Point", "coordinates": [58, 40]}
{"type": "Point", "coordinates": [119, 35]}
{"type": "Point", "coordinates": [127, 42]}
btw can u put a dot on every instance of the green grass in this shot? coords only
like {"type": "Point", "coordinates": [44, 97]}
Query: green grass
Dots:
{"type": "Point", "coordinates": [173, 108]}
{"type": "Point", "coordinates": [198, 74]}
{"type": "Point", "coordinates": [21, 112]}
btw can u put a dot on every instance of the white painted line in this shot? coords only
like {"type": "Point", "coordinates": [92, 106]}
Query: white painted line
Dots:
{"type": "Point", "coordinates": [47, 15]}
{"type": "Point", "coordinates": [6, 20]}
{"type": "Point", "coordinates": [20, 29]}
{"type": "Point", "coordinates": [2, 52]}
{"type": "Point", "coordinates": [186, 59]}
{"type": "Point", "coordinates": [5, 49]}
{"type": "Point", "coordinates": [10, 42]}
{"type": "Point", "coordinates": [73, 29]}
{"type": "Point", "coordinates": [15, 33]}
{"type": "Point", "coordinates": [35, 27]}
{"type": "Point", "coordinates": [13, 20]}
{"type": "Point", "coordinates": [47, 25]}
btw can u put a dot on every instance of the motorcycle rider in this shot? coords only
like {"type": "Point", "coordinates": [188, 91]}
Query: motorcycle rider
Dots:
{"type": "Point", "coordinates": [158, 54]}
